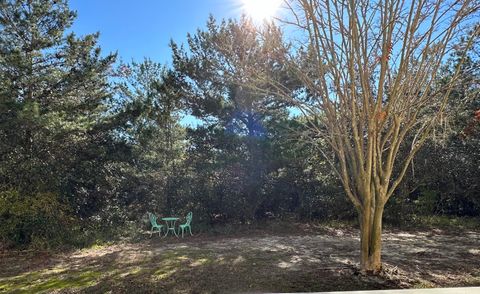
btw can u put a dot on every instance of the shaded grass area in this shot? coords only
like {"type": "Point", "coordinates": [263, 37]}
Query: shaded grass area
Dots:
{"type": "Point", "coordinates": [281, 262]}
{"type": "Point", "coordinates": [188, 271]}
{"type": "Point", "coordinates": [42, 281]}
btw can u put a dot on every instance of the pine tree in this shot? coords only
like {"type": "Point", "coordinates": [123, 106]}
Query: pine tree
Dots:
{"type": "Point", "coordinates": [215, 68]}
{"type": "Point", "coordinates": [53, 93]}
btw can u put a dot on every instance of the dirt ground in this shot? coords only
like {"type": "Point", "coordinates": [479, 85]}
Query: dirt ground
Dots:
{"type": "Point", "coordinates": [251, 263]}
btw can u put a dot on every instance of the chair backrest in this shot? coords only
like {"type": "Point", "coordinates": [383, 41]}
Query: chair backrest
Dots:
{"type": "Point", "coordinates": [153, 218]}
{"type": "Point", "coordinates": [189, 218]}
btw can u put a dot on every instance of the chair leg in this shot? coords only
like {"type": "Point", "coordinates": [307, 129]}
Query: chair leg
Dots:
{"type": "Point", "coordinates": [175, 232]}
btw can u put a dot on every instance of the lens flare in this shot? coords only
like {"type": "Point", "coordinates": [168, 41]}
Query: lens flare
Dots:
{"type": "Point", "coordinates": [261, 9]}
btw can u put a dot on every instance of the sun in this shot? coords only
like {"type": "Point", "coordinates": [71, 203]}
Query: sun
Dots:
{"type": "Point", "coordinates": [261, 9]}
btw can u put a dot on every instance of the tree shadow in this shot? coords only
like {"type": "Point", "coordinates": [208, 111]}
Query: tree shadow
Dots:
{"type": "Point", "coordinates": [264, 263]}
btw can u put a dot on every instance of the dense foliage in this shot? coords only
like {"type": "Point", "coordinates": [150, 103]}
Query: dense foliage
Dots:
{"type": "Point", "coordinates": [89, 145]}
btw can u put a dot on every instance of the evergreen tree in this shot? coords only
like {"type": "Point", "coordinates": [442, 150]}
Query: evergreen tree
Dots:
{"type": "Point", "coordinates": [216, 67]}
{"type": "Point", "coordinates": [149, 103]}
{"type": "Point", "coordinates": [55, 130]}
{"type": "Point", "coordinates": [212, 75]}
{"type": "Point", "coordinates": [53, 93]}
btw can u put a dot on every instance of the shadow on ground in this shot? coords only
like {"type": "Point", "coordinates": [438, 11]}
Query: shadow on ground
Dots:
{"type": "Point", "coordinates": [324, 262]}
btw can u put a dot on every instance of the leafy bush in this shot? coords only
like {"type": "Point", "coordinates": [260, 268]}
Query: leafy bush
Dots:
{"type": "Point", "coordinates": [39, 220]}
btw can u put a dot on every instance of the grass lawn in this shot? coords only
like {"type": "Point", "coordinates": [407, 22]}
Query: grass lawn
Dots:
{"type": "Point", "coordinates": [308, 258]}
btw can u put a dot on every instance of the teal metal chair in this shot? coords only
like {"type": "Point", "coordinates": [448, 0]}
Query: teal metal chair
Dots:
{"type": "Point", "coordinates": [155, 226]}
{"type": "Point", "coordinates": [187, 224]}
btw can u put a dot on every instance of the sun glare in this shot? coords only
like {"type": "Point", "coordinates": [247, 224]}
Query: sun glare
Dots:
{"type": "Point", "coordinates": [261, 9]}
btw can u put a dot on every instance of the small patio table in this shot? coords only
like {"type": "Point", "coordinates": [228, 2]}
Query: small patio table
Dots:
{"type": "Point", "coordinates": [170, 221]}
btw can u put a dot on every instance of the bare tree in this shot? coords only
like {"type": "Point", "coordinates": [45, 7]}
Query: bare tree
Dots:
{"type": "Point", "coordinates": [370, 76]}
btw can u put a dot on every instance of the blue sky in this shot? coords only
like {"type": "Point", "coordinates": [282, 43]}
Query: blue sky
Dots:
{"type": "Point", "coordinates": [143, 28]}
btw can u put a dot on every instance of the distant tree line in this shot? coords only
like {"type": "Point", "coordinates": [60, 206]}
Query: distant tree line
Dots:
{"type": "Point", "coordinates": [89, 144]}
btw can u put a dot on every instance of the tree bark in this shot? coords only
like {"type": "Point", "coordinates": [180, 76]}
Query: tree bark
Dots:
{"type": "Point", "coordinates": [371, 239]}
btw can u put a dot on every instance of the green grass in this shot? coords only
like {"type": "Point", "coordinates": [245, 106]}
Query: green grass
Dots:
{"type": "Point", "coordinates": [49, 280]}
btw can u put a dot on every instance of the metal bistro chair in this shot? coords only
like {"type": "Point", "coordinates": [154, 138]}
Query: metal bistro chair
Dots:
{"type": "Point", "coordinates": [187, 224]}
{"type": "Point", "coordinates": [153, 221]}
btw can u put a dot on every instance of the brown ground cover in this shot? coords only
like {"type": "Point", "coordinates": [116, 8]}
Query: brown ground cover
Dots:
{"type": "Point", "coordinates": [307, 259]}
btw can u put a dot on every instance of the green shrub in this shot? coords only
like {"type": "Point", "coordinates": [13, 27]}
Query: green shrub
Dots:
{"type": "Point", "coordinates": [37, 220]}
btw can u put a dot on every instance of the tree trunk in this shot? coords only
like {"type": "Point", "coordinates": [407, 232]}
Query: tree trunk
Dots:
{"type": "Point", "coordinates": [371, 239]}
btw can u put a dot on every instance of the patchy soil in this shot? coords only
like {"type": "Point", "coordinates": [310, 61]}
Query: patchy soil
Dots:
{"type": "Point", "coordinates": [278, 263]}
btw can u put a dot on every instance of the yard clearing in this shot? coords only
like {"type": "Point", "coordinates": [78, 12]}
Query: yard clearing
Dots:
{"type": "Point", "coordinates": [326, 261]}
